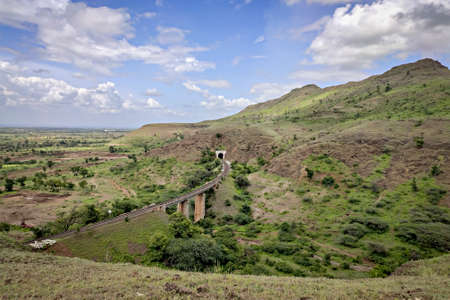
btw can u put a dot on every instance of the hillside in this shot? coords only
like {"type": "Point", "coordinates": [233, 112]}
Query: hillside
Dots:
{"type": "Point", "coordinates": [344, 182]}
{"type": "Point", "coordinates": [31, 275]}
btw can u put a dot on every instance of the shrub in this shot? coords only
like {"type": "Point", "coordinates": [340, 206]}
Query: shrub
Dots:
{"type": "Point", "coordinates": [328, 181]}
{"type": "Point", "coordinates": [373, 224]}
{"type": "Point", "coordinates": [241, 181]}
{"type": "Point", "coordinates": [348, 240]}
{"type": "Point", "coordinates": [309, 173]}
{"type": "Point", "coordinates": [356, 230]}
{"type": "Point", "coordinates": [435, 170]}
{"type": "Point", "coordinates": [371, 211]}
{"type": "Point", "coordinates": [4, 226]}
{"type": "Point", "coordinates": [430, 235]}
{"type": "Point", "coordinates": [246, 209]}
{"type": "Point", "coordinates": [279, 247]}
{"type": "Point", "coordinates": [419, 142]}
{"type": "Point", "coordinates": [377, 249]}
{"type": "Point", "coordinates": [302, 260]}
{"type": "Point", "coordinates": [284, 267]}
{"type": "Point", "coordinates": [242, 219]}
{"type": "Point", "coordinates": [9, 184]}
{"type": "Point", "coordinates": [180, 226]}
{"type": "Point", "coordinates": [193, 254]}
{"type": "Point", "coordinates": [435, 194]}
{"type": "Point", "coordinates": [354, 201]}
{"type": "Point", "coordinates": [307, 200]}
{"type": "Point", "coordinates": [261, 161]}
{"type": "Point", "coordinates": [227, 202]}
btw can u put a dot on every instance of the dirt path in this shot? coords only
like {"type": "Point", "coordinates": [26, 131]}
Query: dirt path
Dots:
{"type": "Point", "coordinates": [127, 193]}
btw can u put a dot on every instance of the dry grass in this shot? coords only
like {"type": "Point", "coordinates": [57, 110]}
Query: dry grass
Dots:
{"type": "Point", "coordinates": [26, 275]}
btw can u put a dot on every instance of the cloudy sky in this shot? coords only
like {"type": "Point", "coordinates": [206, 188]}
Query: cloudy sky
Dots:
{"type": "Point", "coordinates": [101, 63]}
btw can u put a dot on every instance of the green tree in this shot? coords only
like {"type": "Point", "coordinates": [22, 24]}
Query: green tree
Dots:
{"type": "Point", "coordinates": [9, 184]}
{"type": "Point", "coordinates": [181, 227]}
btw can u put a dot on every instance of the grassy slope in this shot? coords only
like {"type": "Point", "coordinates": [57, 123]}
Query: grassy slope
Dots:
{"type": "Point", "coordinates": [98, 243]}
{"type": "Point", "coordinates": [32, 275]}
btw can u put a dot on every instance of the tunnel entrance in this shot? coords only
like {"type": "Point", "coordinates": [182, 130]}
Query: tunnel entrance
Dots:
{"type": "Point", "coordinates": [220, 154]}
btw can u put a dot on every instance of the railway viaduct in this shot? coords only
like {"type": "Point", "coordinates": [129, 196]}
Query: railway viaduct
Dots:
{"type": "Point", "coordinates": [182, 203]}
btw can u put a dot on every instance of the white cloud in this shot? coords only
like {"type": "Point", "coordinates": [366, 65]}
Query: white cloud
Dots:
{"type": "Point", "coordinates": [148, 14]}
{"type": "Point", "coordinates": [152, 103]}
{"type": "Point", "coordinates": [259, 39]}
{"type": "Point", "coordinates": [293, 2]}
{"type": "Point", "coordinates": [316, 26]}
{"type": "Point", "coordinates": [358, 35]}
{"type": "Point", "coordinates": [236, 60]}
{"type": "Point", "coordinates": [93, 38]}
{"type": "Point", "coordinates": [241, 3]}
{"type": "Point", "coordinates": [159, 2]}
{"type": "Point", "coordinates": [170, 35]}
{"type": "Point", "coordinates": [217, 101]}
{"type": "Point", "coordinates": [214, 83]}
{"type": "Point", "coordinates": [269, 90]}
{"type": "Point", "coordinates": [327, 75]}
{"type": "Point", "coordinates": [152, 92]}
{"type": "Point", "coordinates": [18, 89]}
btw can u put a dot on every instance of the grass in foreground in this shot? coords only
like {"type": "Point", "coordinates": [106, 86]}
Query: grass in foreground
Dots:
{"type": "Point", "coordinates": [33, 275]}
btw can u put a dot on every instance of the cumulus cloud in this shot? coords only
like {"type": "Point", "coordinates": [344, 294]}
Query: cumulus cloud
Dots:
{"type": "Point", "coordinates": [270, 90]}
{"type": "Point", "coordinates": [356, 36]}
{"type": "Point", "coordinates": [217, 101]}
{"type": "Point", "coordinates": [170, 35]}
{"type": "Point", "coordinates": [17, 88]}
{"type": "Point", "coordinates": [152, 92]}
{"type": "Point", "coordinates": [214, 83]}
{"type": "Point", "coordinates": [93, 38]}
{"type": "Point", "coordinates": [293, 2]}
{"type": "Point", "coordinates": [152, 103]}
{"type": "Point", "coordinates": [327, 75]}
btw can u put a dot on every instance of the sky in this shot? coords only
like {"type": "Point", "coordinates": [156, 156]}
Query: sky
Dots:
{"type": "Point", "coordinates": [123, 64]}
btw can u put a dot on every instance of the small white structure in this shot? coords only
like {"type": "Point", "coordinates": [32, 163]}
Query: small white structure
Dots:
{"type": "Point", "coordinates": [221, 154]}
{"type": "Point", "coordinates": [42, 244]}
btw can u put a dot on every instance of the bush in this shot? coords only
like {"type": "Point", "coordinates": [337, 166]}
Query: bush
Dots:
{"type": "Point", "coordinates": [373, 224]}
{"type": "Point", "coordinates": [377, 249]}
{"type": "Point", "coordinates": [4, 226]}
{"type": "Point", "coordinates": [242, 219]}
{"type": "Point", "coordinates": [434, 195]}
{"type": "Point", "coordinates": [435, 170]}
{"type": "Point", "coordinates": [180, 226]}
{"type": "Point", "coordinates": [284, 267]}
{"type": "Point", "coordinates": [193, 254]}
{"type": "Point", "coordinates": [307, 200]}
{"type": "Point", "coordinates": [328, 181]}
{"type": "Point", "coordinates": [281, 248]}
{"type": "Point", "coordinates": [9, 184]}
{"type": "Point", "coordinates": [241, 181]}
{"type": "Point", "coordinates": [302, 260]}
{"type": "Point", "coordinates": [309, 173]}
{"type": "Point", "coordinates": [419, 142]}
{"type": "Point", "coordinates": [261, 161]}
{"type": "Point", "coordinates": [355, 230]}
{"type": "Point", "coordinates": [430, 235]}
{"type": "Point", "coordinates": [227, 202]}
{"type": "Point", "coordinates": [354, 201]}
{"type": "Point", "coordinates": [348, 240]}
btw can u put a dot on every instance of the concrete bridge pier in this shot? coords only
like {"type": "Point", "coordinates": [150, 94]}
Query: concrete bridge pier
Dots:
{"type": "Point", "coordinates": [199, 213]}
{"type": "Point", "coordinates": [183, 208]}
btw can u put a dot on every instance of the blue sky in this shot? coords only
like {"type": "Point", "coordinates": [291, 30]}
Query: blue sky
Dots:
{"type": "Point", "coordinates": [106, 63]}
